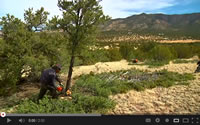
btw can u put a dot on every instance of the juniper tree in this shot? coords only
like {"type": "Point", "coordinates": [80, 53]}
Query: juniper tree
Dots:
{"type": "Point", "coordinates": [21, 48]}
{"type": "Point", "coordinates": [81, 19]}
{"type": "Point", "coordinates": [13, 49]}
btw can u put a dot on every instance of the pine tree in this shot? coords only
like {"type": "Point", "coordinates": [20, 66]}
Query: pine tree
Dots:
{"type": "Point", "coordinates": [81, 19]}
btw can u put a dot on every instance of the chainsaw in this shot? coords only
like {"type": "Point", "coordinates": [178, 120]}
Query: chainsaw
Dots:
{"type": "Point", "coordinates": [60, 90]}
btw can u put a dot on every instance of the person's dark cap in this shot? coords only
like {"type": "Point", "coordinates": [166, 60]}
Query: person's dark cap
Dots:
{"type": "Point", "coordinates": [57, 66]}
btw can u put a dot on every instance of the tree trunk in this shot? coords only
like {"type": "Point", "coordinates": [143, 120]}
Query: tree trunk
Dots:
{"type": "Point", "coordinates": [68, 84]}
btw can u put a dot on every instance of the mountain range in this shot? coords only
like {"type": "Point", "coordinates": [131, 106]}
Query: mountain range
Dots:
{"type": "Point", "coordinates": [155, 22]}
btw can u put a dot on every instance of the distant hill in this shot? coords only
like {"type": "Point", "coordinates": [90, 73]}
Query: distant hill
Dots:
{"type": "Point", "coordinates": [155, 23]}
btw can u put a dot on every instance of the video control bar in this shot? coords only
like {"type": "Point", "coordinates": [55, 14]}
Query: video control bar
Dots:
{"type": "Point", "coordinates": [53, 119]}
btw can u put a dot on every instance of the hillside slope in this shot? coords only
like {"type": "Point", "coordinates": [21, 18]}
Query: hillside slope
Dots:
{"type": "Point", "coordinates": [156, 22]}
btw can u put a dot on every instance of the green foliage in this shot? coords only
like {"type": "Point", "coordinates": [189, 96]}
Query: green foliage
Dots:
{"type": "Point", "coordinates": [47, 105]}
{"type": "Point", "coordinates": [167, 79]}
{"type": "Point", "coordinates": [89, 57]}
{"type": "Point", "coordinates": [35, 20]}
{"type": "Point", "coordinates": [126, 50]}
{"type": "Point", "coordinates": [183, 51]}
{"type": "Point", "coordinates": [106, 84]}
{"type": "Point", "coordinates": [91, 92]}
{"type": "Point", "coordinates": [184, 61]}
{"type": "Point", "coordinates": [13, 50]}
{"type": "Point", "coordinates": [156, 54]}
{"type": "Point", "coordinates": [140, 50]}
{"type": "Point", "coordinates": [79, 104]}
{"type": "Point", "coordinates": [173, 52]}
{"type": "Point", "coordinates": [21, 48]}
{"type": "Point", "coordinates": [92, 104]}
{"type": "Point", "coordinates": [146, 46]}
{"type": "Point", "coordinates": [80, 20]}
{"type": "Point", "coordinates": [161, 53]}
{"type": "Point", "coordinates": [47, 49]}
{"type": "Point", "coordinates": [114, 54]}
{"type": "Point", "coordinates": [153, 63]}
{"type": "Point", "coordinates": [53, 24]}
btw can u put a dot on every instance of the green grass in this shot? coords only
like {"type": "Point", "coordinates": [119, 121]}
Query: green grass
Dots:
{"type": "Point", "coordinates": [91, 92]}
{"type": "Point", "coordinates": [184, 61]}
{"type": "Point", "coordinates": [152, 64]}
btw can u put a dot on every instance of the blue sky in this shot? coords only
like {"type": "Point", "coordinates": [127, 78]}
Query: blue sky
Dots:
{"type": "Point", "coordinates": [113, 8]}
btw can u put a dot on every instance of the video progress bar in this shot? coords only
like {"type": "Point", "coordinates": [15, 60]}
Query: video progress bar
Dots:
{"type": "Point", "coordinates": [57, 115]}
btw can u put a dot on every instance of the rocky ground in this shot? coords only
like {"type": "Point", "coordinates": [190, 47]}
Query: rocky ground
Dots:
{"type": "Point", "coordinates": [178, 99]}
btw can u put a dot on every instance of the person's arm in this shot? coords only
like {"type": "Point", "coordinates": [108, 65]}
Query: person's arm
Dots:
{"type": "Point", "coordinates": [58, 79]}
{"type": "Point", "coordinates": [53, 79]}
{"type": "Point", "coordinates": [54, 83]}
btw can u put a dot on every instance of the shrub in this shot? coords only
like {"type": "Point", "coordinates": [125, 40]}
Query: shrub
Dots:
{"type": "Point", "coordinates": [183, 51]}
{"type": "Point", "coordinates": [47, 105]}
{"type": "Point", "coordinates": [21, 48]}
{"type": "Point", "coordinates": [114, 55]}
{"type": "Point", "coordinates": [173, 52]}
{"type": "Point", "coordinates": [146, 46]}
{"type": "Point", "coordinates": [89, 57]}
{"type": "Point", "coordinates": [92, 104]}
{"type": "Point", "coordinates": [126, 50]}
{"type": "Point", "coordinates": [79, 104]}
{"type": "Point", "coordinates": [161, 53]}
{"type": "Point", "coordinates": [142, 56]}
{"type": "Point", "coordinates": [13, 48]}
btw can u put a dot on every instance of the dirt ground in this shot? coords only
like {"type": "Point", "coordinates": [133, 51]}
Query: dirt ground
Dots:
{"type": "Point", "coordinates": [180, 41]}
{"type": "Point", "coordinates": [178, 99]}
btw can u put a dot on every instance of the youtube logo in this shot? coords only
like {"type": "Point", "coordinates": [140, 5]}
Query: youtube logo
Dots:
{"type": "Point", "coordinates": [3, 114]}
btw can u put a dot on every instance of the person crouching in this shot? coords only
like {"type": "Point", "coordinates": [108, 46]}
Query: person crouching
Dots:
{"type": "Point", "coordinates": [48, 81]}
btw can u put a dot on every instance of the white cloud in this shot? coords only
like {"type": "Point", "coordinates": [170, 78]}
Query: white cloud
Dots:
{"type": "Point", "coordinates": [124, 8]}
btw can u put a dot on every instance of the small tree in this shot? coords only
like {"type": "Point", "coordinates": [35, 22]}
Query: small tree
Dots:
{"type": "Point", "coordinates": [161, 53]}
{"type": "Point", "coordinates": [14, 48]}
{"type": "Point", "coordinates": [35, 20]}
{"type": "Point", "coordinates": [21, 49]}
{"type": "Point", "coordinates": [80, 21]}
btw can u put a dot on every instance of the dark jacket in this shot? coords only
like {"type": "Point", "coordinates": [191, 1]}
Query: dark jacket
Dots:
{"type": "Point", "coordinates": [49, 77]}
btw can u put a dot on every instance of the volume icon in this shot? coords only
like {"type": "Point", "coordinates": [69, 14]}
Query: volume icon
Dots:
{"type": "Point", "coordinates": [21, 120]}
